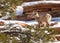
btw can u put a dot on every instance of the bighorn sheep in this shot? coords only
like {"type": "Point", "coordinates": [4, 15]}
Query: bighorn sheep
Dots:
{"type": "Point", "coordinates": [43, 18]}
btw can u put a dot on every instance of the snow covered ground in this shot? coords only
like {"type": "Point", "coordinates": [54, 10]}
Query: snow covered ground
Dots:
{"type": "Point", "coordinates": [39, 2]}
{"type": "Point", "coordinates": [56, 19]}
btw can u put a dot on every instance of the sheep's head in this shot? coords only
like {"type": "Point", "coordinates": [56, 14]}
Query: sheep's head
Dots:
{"type": "Point", "coordinates": [35, 14]}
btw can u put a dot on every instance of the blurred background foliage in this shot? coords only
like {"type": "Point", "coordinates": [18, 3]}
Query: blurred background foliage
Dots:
{"type": "Point", "coordinates": [8, 6]}
{"type": "Point", "coordinates": [29, 35]}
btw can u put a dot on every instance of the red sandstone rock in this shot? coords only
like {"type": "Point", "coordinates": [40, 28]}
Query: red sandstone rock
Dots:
{"type": "Point", "coordinates": [1, 23]}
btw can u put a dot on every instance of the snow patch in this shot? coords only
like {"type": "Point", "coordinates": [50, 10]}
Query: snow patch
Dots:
{"type": "Point", "coordinates": [39, 2]}
{"type": "Point", "coordinates": [19, 10]}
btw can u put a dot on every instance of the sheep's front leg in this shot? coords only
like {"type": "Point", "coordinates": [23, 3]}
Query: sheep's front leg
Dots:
{"type": "Point", "coordinates": [48, 23]}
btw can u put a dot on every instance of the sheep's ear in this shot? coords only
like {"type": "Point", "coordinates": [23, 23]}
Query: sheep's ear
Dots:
{"type": "Point", "coordinates": [33, 12]}
{"type": "Point", "coordinates": [37, 15]}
